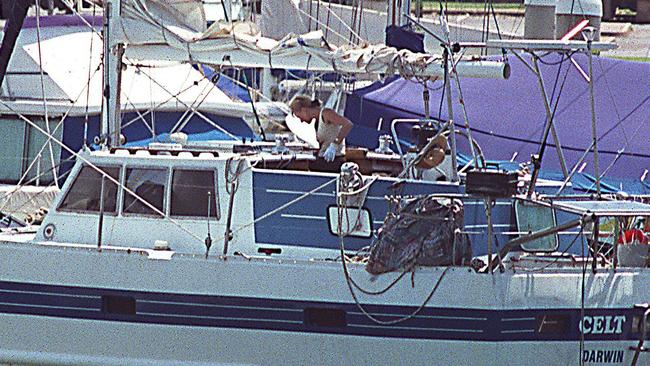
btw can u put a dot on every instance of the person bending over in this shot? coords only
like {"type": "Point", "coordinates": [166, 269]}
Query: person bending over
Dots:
{"type": "Point", "coordinates": [331, 127]}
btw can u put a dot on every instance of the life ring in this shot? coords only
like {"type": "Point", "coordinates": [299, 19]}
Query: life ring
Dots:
{"type": "Point", "coordinates": [435, 155]}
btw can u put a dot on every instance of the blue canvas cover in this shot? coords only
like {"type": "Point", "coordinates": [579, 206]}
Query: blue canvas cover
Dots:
{"type": "Point", "coordinates": [507, 116]}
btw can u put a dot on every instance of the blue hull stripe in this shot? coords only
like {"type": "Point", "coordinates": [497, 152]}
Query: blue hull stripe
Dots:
{"type": "Point", "coordinates": [292, 316]}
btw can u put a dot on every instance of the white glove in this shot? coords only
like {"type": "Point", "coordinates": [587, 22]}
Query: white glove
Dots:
{"type": "Point", "coordinates": [330, 153]}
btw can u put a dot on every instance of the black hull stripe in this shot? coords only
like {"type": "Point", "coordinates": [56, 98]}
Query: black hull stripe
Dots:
{"type": "Point", "coordinates": [291, 316]}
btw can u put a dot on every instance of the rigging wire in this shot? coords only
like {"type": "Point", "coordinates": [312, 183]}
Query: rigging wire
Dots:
{"type": "Point", "coordinates": [32, 180]}
{"type": "Point", "coordinates": [496, 23]}
{"type": "Point", "coordinates": [141, 116]}
{"type": "Point", "coordinates": [620, 122]}
{"type": "Point", "coordinates": [281, 207]}
{"type": "Point", "coordinates": [552, 96]}
{"type": "Point", "coordinates": [252, 101]}
{"type": "Point", "coordinates": [341, 22]}
{"type": "Point", "coordinates": [83, 20]}
{"type": "Point", "coordinates": [187, 115]}
{"type": "Point", "coordinates": [582, 299]}
{"type": "Point", "coordinates": [611, 96]}
{"type": "Point", "coordinates": [59, 124]}
{"type": "Point", "coordinates": [46, 112]}
{"type": "Point", "coordinates": [212, 123]}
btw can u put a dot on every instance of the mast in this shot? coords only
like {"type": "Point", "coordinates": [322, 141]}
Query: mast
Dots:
{"type": "Point", "coordinates": [398, 12]}
{"type": "Point", "coordinates": [590, 34]}
{"type": "Point", "coordinates": [111, 120]}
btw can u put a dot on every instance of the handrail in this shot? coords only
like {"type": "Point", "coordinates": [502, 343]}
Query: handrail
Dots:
{"type": "Point", "coordinates": [639, 348]}
{"type": "Point", "coordinates": [394, 131]}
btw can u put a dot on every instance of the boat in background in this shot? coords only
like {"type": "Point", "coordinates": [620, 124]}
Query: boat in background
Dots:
{"type": "Point", "coordinates": [156, 101]}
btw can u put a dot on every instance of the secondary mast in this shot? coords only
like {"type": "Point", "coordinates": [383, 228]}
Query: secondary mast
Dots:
{"type": "Point", "coordinates": [111, 120]}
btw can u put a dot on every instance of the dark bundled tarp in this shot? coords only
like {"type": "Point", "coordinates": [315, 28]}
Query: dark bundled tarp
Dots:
{"type": "Point", "coordinates": [404, 38]}
{"type": "Point", "coordinates": [427, 231]}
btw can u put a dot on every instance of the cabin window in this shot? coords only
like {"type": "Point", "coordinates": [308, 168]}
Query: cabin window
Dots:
{"type": "Point", "coordinates": [191, 190]}
{"type": "Point", "coordinates": [353, 221]}
{"type": "Point", "coordinates": [533, 217]}
{"type": "Point", "coordinates": [148, 184]}
{"type": "Point", "coordinates": [84, 193]}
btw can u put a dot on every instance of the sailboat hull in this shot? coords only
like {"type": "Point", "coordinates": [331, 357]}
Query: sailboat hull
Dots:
{"type": "Point", "coordinates": [76, 305]}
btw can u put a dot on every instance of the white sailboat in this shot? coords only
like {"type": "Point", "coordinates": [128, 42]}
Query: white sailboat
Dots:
{"type": "Point", "coordinates": [180, 254]}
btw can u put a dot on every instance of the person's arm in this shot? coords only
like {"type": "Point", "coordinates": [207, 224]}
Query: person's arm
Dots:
{"type": "Point", "coordinates": [329, 116]}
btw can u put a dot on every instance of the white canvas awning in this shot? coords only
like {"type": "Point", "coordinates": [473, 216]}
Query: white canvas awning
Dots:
{"type": "Point", "coordinates": [156, 29]}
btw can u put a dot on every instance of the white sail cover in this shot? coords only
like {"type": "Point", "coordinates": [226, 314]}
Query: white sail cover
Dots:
{"type": "Point", "coordinates": [175, 30]}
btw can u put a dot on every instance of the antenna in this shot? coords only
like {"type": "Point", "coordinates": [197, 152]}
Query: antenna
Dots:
{"type": "Point", "coordinates": [208, 239]}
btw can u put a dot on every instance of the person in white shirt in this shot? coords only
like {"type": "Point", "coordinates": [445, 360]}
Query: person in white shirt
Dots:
{"type": "Point", "coordinates": [331, 127]}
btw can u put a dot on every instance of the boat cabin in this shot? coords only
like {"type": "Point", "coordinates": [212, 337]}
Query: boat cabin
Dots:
{"type": "Point", "coordinates": [177, 197]}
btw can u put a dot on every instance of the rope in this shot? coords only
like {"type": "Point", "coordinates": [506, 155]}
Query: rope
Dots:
{"type": "Point", "coordinates": [232, 177]}
{"type": "Point", "coordinates": [40, 67]}
{"type": "Point", "coordinates": [350, 281]}
{"type": "Point", "coordinates": [398, 320]}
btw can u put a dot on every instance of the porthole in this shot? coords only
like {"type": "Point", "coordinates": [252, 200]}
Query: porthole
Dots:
{"type": "Point", "coordinates": [48, 231]}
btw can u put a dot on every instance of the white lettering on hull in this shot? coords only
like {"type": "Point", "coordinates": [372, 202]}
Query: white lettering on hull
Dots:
{"type": "Point", "coordinates": [602, 324]}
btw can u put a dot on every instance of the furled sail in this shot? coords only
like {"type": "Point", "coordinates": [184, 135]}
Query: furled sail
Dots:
{"type": "Point", "coordinates": [175, 30]}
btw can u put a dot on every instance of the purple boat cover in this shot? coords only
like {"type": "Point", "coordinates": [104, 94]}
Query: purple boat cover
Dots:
{"type": "Point", "coordinates": [507, 116]}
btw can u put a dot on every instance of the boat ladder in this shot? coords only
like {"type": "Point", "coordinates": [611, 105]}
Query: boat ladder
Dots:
{"type": "Point", "coordinates": [642, 330]}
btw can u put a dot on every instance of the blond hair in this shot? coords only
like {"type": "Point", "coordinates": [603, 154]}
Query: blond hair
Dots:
{"type": "Point", "coordinates": [303, 101]}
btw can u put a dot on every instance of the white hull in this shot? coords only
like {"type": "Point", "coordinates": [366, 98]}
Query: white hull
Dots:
{"type": "Point", "coordinates": [66, 340]}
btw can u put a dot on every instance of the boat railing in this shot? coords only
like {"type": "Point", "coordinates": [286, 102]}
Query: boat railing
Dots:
{"type": "Point", "coordinates": [600, 223]}
{"type": "Point", "coordinates": [643, 332]}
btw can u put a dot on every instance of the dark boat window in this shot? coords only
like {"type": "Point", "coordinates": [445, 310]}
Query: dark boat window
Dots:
{"type": "Point", "coordinates": [190, 190]}
{"type": "Point", "coordinates": [123, 305]}
{"type": "Point", "coordinates": [323, 317]}
{"type": "Point", "coordinates": [552, 323]}
{"type": "Point", "coordinates": [148, 184]}
{"type": "Point", "coordinates": [83, 195]}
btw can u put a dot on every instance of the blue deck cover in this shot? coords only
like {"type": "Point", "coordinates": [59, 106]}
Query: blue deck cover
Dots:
{"type": "Point", "coordinates": [507, 116]}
